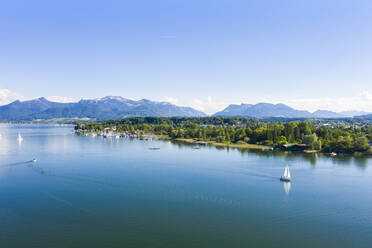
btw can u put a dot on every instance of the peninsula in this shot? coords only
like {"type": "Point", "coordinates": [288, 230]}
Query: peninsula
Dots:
{"type": "Point", "coordinates": [336, 136]}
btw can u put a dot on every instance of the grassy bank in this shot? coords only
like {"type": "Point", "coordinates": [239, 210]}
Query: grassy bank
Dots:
{"type": "Point", "coordinates": [213, 143]}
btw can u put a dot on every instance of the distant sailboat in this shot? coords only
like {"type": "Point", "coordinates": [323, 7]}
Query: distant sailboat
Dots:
{"type": "Point", "coordinates": [287, 175]}
{"type": "Point", "coordinates": [20, 139]}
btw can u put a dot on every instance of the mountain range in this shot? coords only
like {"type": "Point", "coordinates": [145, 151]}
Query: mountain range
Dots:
{"type": "Point", "coordinates": [265, 110]}
{"type": "Point", "coordinates": [110, 107]}
{"type": "Point", "coordinates": [367, 117]}
{"type": "Point", "coordinates": [116, 107]}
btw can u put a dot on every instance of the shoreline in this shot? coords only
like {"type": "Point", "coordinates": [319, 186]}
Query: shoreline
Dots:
{"type": "Point", "coordinates": [217, 144]}
{"type": "Point", "coordinates": [250, 146]}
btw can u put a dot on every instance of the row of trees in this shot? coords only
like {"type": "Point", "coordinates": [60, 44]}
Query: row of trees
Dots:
{"type": "Point", "coordinates": [235, 130]}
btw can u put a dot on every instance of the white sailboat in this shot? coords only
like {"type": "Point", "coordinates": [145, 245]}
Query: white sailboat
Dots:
{"type": "Point", "coordinates": [19, 138]}
{"type": "Point", "coordinates": [287, 175]}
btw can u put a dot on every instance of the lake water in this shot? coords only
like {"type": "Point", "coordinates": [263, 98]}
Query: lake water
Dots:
{"type": "Point", "coordinates": [95, 192]}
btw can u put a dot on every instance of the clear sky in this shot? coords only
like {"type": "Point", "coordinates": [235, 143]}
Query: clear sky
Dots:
{"type": "Point", "coordinates": [205, 54]}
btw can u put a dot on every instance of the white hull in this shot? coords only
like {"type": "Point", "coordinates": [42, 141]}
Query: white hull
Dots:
{"type": "Point", "coordinates": [285, 179]}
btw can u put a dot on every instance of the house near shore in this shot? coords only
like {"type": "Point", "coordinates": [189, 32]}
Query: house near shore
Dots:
{"type": "Point", "coordinates": [200, 143]}
{"type": "Point", "coordinates": [295, 147]}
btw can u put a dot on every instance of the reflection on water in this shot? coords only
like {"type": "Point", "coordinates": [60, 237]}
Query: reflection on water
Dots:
{"type": "Point", "coordinates": [287, 187]}
{"type": "Point", "coordinates": [361, 162]}
{"type": "Point", "coordinates": [312, 158]}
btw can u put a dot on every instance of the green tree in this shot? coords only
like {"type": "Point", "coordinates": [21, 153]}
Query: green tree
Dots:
{"type": "Point", "coordinates": [282, 140]}
{"type": "Point", "coordinates": [361, 144]}
{"type": "Point", "coordinates": [311, 140]}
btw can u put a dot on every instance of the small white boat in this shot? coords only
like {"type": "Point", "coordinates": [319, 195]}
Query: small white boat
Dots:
{"type": "Point", "coordinates": [19, 137]}
{"type": "Point", "coordinates": [154, 148]}
{"type": "Point", "coordinates": [117, 136]}
{"type": "Point", "coordinates": [34, 160]}
{"type": "Point", "coordinates": [286, 176]}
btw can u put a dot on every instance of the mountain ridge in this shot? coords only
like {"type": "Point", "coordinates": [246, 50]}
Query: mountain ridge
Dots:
{"type": "Point", "coordinates": [110, 107]}
{"type": "Point", "coordinates": [116, 107]}
{"type": "Point", "coordinates": [367, 117]}
{"type": "Point", "coordinates": [265, 110]}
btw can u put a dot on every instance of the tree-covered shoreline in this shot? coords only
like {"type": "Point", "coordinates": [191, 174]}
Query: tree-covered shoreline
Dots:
{"type": "Point", "coordinates": [325, 136]}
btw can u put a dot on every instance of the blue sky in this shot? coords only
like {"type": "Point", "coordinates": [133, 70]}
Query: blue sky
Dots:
{"type": "Point", "coordinates": [204, 54]}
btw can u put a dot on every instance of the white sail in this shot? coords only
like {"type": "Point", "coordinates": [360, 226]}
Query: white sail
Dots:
{"type": "Point", "coordinates": [286, 174]}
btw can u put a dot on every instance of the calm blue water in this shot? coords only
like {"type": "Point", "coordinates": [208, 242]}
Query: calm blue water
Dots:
{"type": "Point", "coordinates": [95, 192]}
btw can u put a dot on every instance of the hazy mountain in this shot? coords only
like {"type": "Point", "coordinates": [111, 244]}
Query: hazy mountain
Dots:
{"type": "Point", "coordinates": [110, 107]}
{"type": "Point", "coordinates": [326, 114]}
{"type": "Point", "coordinates": [234, 110]}
{"type": "Point", "coordinates": [18, 110]}
{"type": "Point", "coordinates": [368, 117]}
{"type": "Point", "coordinates": [353, 113]}
{"type": "Point", "coordinates": [262, 110]}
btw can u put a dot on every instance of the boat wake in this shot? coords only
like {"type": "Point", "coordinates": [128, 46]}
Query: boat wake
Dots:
{"type": "Point", "coordinates": [256, 174]}
{"type": "Point", "coordinates": [66, 203]}
{"type": "Point", "coordinates": [247, 173]}
{"type": "Point", "coordinates": [17, 164]}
